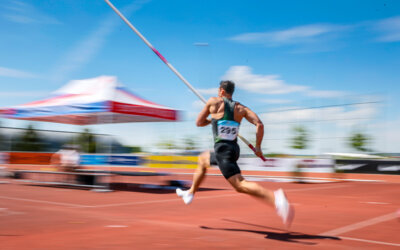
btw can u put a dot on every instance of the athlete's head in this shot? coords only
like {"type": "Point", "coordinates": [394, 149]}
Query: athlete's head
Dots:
{"type": "Point", "coordinates": [226, 87]}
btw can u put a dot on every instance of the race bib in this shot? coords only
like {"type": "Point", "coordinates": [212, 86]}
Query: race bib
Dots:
{"type": "Point", "coordinates": [228, 130]}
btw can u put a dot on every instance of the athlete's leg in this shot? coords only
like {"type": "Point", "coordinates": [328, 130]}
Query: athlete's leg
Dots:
{"type": "Point", "coordinates": [198, 177]}
{"type": "Point", "coordinates": [252, 188]}
{"type": "Point", "coordinates": [275, 199]}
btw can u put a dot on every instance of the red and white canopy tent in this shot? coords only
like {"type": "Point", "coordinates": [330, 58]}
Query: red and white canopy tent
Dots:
{"type": "Point", "coordinates": [92, 101]}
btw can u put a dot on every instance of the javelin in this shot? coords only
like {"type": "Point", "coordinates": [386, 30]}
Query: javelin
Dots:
{"type": "Point", "coordinates": [171, 67]}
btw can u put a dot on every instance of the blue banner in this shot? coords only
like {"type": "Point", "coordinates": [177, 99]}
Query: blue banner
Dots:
{"type": "Point", "coordinates": [94, 160]}
{"type": "Point", "coordinates": [125, 160]}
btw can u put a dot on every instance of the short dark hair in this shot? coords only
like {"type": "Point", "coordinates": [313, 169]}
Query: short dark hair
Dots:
{"type": "Point", "coordinates": [228, 86]}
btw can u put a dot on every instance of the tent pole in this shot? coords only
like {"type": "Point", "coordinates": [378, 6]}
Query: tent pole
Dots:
{"type": "Point", "coordinates": [109, 158]}
{"type": "Point", "coordinates": [108, 155]}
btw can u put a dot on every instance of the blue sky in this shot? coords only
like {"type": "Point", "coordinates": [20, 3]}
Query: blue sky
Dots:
{"type": "Point", "coordinates": [281, 54]}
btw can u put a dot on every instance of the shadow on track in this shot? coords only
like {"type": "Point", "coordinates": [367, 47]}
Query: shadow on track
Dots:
{"type": "Point", "coordinates": [129, 187]}
{"type": "Point", "coordinates": [292, 237]}
{"type": "Point", "coordinates": [150, 188]}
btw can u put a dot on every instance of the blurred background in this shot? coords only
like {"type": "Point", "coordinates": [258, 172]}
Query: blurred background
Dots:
{"type": "Point", "coordinates": [86, 105]}
{"type": "Point", "coordinates": [321, 82]}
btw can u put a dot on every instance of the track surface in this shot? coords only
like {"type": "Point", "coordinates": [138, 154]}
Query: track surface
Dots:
{"type": "Point", "coordinates": [341, 215]}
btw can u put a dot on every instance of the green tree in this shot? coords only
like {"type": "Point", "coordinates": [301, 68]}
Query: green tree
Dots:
{"type": "Point", "coordinates": [359, 141]}
{"type": "Point", "coordinates": [87, 141]}
{"type": "Point", "coordinates": [189, 143]}
{"type": "Point", "coordinates": [300, 139]}
{"type": "Point", "coordinates": [135, 149]}
{"type": "Point", "coordinates": [29, 141]}
{"type": "Point", "coordinates": [167, 144]}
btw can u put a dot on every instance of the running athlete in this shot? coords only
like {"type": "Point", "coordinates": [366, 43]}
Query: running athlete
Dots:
{"type": "Point", "coordinates": [226, 116]}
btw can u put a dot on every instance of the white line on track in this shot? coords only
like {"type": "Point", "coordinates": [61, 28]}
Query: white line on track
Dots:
{"type": "Point", "coordinates": [333, 232]}
{"type": "Point", "coordinates": [206, 197]}
{"type": "Point", "coordinates": [361, 224]}
{"type": "Point", "coordinates": [315, 188]}
{"type": "Point", "coordinates": [161, 201]}
{"type": "Point", "coordinates": [293, 178]}
{"type": "Point", "coordinates": [371, 241]}
{"type": "Point", "coordinates": [45, 202]}
{"type": "Point", "coordinates": [375, 202]}
{"type": "Point", "coordinates": [7, 212]}
{"type": "Point", "coordinates": [185, 225]}
{"type": "Point", "coordinates": [154, 201]}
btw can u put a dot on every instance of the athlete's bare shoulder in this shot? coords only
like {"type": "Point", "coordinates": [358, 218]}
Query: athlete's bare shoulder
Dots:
{"type": "Point", "coordinates": [248, 114]}
{"type": "Point", "coordinates": [213, 100]}
{"type": "Point", "coordinates": [240, 111]}
{"type": "Point", "coordinates": [240, 108]}
{"type": "Point", "coordinates": [215, 105]}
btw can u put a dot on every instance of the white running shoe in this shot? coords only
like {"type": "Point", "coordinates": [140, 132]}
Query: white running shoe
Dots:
{"type": "Point", "coordinates": [185, 195]}
{"type": "Point", "coordinates": [283, 208]}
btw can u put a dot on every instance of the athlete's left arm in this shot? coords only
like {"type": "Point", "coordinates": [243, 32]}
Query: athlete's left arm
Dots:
{"type": "Point", "coordinates": [204, 113]}
{"type": "Point", "coordinates": [254, 119]}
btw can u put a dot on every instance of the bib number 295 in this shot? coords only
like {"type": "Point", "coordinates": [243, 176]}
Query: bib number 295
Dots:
{"type": "Point", "coordinates": [228, 130]}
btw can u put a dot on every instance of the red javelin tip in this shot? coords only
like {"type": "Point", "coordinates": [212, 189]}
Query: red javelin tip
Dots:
{"type": "Point", "coordinates": [159, 55]}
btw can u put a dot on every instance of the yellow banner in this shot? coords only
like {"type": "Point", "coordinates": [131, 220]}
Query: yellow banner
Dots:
{"type": "Point", "coordinates": [171, 161]}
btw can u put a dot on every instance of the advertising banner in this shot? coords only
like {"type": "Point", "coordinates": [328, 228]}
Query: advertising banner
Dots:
{"type": "Point", "coordinates": [92, 159]}
{"type": "Point", "coordinates": [171, 161]}
{"type": "Point", "coordinates": [29, 158]}
{"type": "Point", "coordinates": [3, 158]}
{"type": "Point", "coordinates": [125, 160]}
{"type": "Point", "coordinates": [384, 166]}
{"type": "Point", "coordinates": [288, 164]}
{"type": "Point", "coordinates": [320, 165]}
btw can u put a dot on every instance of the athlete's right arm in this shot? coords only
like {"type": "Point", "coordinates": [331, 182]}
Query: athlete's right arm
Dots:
{"type": "Point", "coordinates": [254, 119]}
{"type": "Point", "coordinates": [202, 120]}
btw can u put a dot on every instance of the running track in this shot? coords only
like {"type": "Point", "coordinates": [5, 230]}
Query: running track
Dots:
{"type": "Point", "coordinates": [339, 215]}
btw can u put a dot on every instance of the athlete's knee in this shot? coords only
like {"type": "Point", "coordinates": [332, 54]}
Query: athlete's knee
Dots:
{"type": "Point", "coordinates": [240, 187]}
{"type": "Point", "coordinates": [237, 182]}
{"type": "Point", "coordinates": [204, 159]}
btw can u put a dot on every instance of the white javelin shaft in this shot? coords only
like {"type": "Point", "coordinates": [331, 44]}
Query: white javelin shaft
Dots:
{"type": "Point", "coordinates": [169, 65]}
{"type": "Point", "coordinates": [155, 51]}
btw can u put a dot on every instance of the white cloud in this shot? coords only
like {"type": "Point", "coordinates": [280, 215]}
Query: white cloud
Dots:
{"type": "Point", "coordinates": [325, 93]}
{"type": "Point", "coordinates": [193, 112]}
{"type": "Point", "coordinates": [86, 49]}
{"type": "Point", "coordinates": [7, 72]}
{"type": "Point", "coordinates": [78, 56]}
{"type": "Point", "coordinates": [321, 37]}
{"type": "Point", "coordinates": [276, 101]}
{"type": "Point", "coordinates": [197, 105]}
{"type": "Point", "coordinates": [25, 13]}
{"type": "Point", "coordinates": [270, 84]}
{"type": "Point", "coordinates": [211, 91]}
{"type": "Point", "coordinates": [295, 35]}
{"type": "Point", "coordinates": [389, 29]}
{"type": "Point", "coordinates": [386, 135]}
{"type": "Point", "coordinates": [262, 84]}
{"type": "Point", "coordinates": [341, 116]}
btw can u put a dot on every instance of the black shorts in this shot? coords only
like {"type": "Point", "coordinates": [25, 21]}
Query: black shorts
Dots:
{"type": "Point", "coordinates": [225, 155]}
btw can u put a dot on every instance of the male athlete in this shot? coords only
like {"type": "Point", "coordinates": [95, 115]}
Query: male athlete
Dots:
{"type": "Point", "coordinates": [226, 116]}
